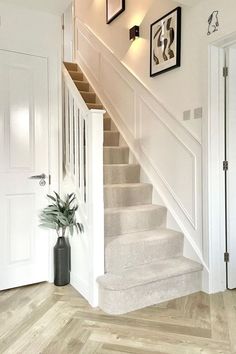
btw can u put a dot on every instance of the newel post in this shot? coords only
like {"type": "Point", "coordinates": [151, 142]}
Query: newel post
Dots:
{"type": "Point", "coordinates": [95, 200]}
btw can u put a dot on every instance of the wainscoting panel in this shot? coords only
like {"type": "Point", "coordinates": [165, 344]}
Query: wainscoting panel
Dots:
{"type": "Point", "coordinates": [20, 224]}
{"type": "Point", "coordinates": [168, 153]}
{"type": "Point", "coordinates": [172, 160]}
{"type": "Point", "coordinates": [90, 54]}
{"type": "Point", "coordinates": [121, 93]}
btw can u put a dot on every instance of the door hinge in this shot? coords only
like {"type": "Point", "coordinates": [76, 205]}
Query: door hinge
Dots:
{"type": "Point", "coordinates": [225, 71]}
{"type": "Point", "coordinates": [49, 179]}
{"type": "Point", "coordinates": [63, 27]}
{"type": "Point", "coordinates": [225, 165]}
{"type": "Point", "coordinates": [226, 257]}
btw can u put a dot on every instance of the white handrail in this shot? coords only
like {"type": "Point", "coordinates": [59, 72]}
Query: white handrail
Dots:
{"type": "Point", "coordinates": [83, 175]}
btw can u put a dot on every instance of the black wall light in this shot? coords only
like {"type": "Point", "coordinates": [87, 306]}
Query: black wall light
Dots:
{"type": "Point", "coordinates": [133, 33]}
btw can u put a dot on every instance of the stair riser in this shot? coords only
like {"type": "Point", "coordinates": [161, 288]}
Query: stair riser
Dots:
{"type": "Point", "coordinates": [121, 223]}
{"type": "Point", "coordinates": [116, 196]}
{"type": "Point", "coordinates": [116, 156]}
{"type": "Point", "coordinates": [76, 76]}
{"type": "Point", "coordinates": [71, 66]}
{"type": "Point", "coordinates": [82, 86]}
{"type": "Point", "coordinates": [123, 301]}
{"type": "Point", "coordinates": [107, 124]}
{"type": "Point", "coordinates": [121, 174]}
{"type": "Point", "coordinates": [120, 256]}
{"type": "Point", "coordinates": [111, 138]}
{"type": "Point", "coordinates": [89, 97]}
{"type": "Point", "coordinates": [95, 106]}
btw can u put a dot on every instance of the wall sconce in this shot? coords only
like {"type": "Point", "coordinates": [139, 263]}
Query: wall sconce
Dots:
{"type": "Point", "coordinates": [133, 33]}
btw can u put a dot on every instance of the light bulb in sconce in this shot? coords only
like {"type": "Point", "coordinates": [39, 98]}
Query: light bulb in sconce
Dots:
{"type": "Point", "coordinates": [134, 33]}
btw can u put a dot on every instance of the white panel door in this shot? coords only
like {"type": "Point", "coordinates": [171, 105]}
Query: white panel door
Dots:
{"type": "Point", "coordinates": [23, 153]}
{"type": "Point", "coordinates": [231, 173]}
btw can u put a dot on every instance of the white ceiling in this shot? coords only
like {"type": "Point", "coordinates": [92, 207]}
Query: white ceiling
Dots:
{"type": "Point", "coordinates": [52, 6]}
{"type": "Point", "coordinates": [188, 2]}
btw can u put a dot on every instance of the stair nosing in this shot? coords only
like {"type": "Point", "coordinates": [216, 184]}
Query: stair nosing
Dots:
{"type": "Point", "coordinates": [73, 72]}
{"type": "Point", "coordinates": [116, 147]}
{"type": "Point", "coordinates": [125, 185]}
{"type": "Point", "coordinates": [196, 267]}
{"type": "Point", "coordinates": [111, 131]}
{"type": "Point", "coordinates": [89, 92]}
{"type": "Point", "coordinates": [158, 230]}
{"type": "Point", "coordinates": [81, 82]}
{"type": "Point", "coordinates": [135, 207]}
{"type": "Point", "coordinates": [122, 164]}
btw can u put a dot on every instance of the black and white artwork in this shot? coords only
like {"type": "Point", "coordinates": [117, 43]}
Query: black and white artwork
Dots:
{"type": "Point", "coordinates": [165, 43]}
{"type": "Point", "coordinates": [114, 8]}
{"type": "Point", "coordinates": [213, 23]}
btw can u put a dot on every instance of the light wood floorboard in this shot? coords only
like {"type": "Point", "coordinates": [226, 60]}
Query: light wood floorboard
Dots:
{"type": "Point", "coordinates": [46, 319]}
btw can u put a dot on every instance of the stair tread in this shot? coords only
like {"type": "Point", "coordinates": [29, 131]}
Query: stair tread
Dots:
{"type": "Point", "coordinates": [88, 93]}
{"type": "Point", "coordinates": [148, 273]}
{"type": "Point", "coordinates": [116, 148]}
{"type": "Point", "coordinates": [141, 236]}
{"type": "Point", "coordinates": [95, 106]}
{"type": "Point", "coordinates": [134, 208]}
{"type": "Point", "coordinates": [128, 185]}
{"type": "Point", "coordinates": [80, 81]}
{"type": "Point", "coordinates": [120, 164]}
{"type": "Point", "coordinates": [75, 72]}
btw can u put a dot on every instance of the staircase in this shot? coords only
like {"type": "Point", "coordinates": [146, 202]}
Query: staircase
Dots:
{"type": "Point", "coordinates": [144, 263]}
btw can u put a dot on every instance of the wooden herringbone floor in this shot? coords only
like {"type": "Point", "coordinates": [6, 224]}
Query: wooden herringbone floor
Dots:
{"type": "Point", "coordinates": [46, 319]}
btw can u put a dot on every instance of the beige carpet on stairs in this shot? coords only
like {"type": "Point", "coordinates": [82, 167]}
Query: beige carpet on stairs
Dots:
{"type": "Point", "coordinates": [144, 260]}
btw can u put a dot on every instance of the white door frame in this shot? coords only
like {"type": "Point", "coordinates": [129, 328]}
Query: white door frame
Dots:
{"type": "Point", "coordinates": [55, 142]}
{"type": "Point", "coordinates": [214, 170]}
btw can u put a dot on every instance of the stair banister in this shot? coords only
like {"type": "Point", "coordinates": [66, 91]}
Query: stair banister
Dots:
{"type": "Point", "coordinates": [84, 171]}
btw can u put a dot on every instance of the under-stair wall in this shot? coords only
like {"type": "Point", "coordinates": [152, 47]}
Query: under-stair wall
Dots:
{"type": "Point", "coordinates": [168, 154]}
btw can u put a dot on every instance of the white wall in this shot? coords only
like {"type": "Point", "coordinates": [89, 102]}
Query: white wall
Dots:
{"type": "Point", "coordinates": [38, 34]}
{"type": "Point", "coordinates": [55, 7]}
{"type": "Point", "coordinates": [181, 89]}
{"type": "Point", "coordinates": [154, 126]}
{"type": "Point", "coordinates": [68, 20]}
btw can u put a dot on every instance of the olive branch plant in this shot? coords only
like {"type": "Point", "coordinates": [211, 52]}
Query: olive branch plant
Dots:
{"type": "Point", "coordinates": [60, 215]}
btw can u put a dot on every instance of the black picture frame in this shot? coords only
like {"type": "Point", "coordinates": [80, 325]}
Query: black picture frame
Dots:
{"type": "Point", "coordinates": [172, 59]}
{"type": "Point", "coordinates": [117, 13]}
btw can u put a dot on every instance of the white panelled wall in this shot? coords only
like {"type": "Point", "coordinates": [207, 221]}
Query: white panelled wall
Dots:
{"type": "Point", "coordinates": [168, 154]}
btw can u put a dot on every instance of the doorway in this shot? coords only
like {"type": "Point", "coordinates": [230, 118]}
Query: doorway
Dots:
{"type": "Point", "coordinates": [220, 170]}
{"type": "Point", "coordinates": [230, 165]}
{"type": "Point", "coordinates": [24, 168]}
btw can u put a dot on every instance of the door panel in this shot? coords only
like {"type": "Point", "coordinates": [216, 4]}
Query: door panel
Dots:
{"type": "Point", "coordinates": [24, 152]}
{"type": "Point", "coordinates": [231, 173]}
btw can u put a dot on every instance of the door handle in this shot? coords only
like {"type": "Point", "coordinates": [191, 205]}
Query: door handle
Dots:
{"type": "Point", "coordinates": [41, 179]}
{"type": "Point", "coordinates": [42, 176]}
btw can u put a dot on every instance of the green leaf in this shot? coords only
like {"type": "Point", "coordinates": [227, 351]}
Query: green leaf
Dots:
{"type": "Point", "coordinates": [51, 197]}
{"type": "Point", "coordinates": [61, 214]}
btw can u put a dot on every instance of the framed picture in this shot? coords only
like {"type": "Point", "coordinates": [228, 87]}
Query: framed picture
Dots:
{"type": "Point", "coordinates": [114, 8]}
{"type": "Point", "coordinates": [165, 45]}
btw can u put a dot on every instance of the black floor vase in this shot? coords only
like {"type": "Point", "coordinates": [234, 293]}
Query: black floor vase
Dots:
{"type": "Point", "coordinates": [62, 262]}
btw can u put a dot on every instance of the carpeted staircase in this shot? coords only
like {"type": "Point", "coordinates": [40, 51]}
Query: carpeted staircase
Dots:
{"type": "Point", "coordinates": [144, 260]}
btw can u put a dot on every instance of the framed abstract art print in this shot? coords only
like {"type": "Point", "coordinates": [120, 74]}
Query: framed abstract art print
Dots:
{"type": "Point", "coordinates": [165, 43]}
{"type": "Point", "coordinates": [114, 8]}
